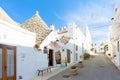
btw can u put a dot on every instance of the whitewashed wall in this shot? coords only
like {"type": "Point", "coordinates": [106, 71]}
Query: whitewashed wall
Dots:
{"type": "Point", "coordinates": [118, 58]}
{"type": "Point", "coordinates": [78, 38]}
{"type": "Point", "coordinates": [110, 49]}
{"type": "Point", "coordinates": [88, 40]}
{"type": "Point", "coordinates": [51, 37]}
{"type": "Point", "coordinates": [71, 47]}
{"type": "Point", "coordinates": [15, 35]}
{"type": "Point", "coordinates": [117, 15]}
{"type": "Point", "coordinates": [80, 52]}
{"type": "Point", "coordinates": [28, 61]}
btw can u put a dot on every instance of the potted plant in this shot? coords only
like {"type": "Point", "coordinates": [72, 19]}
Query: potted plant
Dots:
{"type": "Point", "coordinates": [80, 64]}
{"type": "Point", "coordinates": [105, 48]}
{"type": "Point", "coordinates": [92, 49]}
{"type": "Point", "coordinates": [36, 46]}
{"type": "Point", "coordinates": [86, 56]}
{"type": "Point", "coordinates": [73, 70]}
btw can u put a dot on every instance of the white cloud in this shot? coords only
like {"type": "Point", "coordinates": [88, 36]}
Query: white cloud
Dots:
{"type": "Point", "coordinates": [96, 15]}
{"type": "Point", "coordinates": [91, 14]}
{"type": "Point", "coordinates": [58, 16]}
{"type": "Point", "coordinates": [99, 34]}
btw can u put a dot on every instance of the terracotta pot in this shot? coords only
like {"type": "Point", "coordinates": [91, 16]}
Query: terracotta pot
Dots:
{"type": "Point", "coordinates": [80, 65]}
{"type": "Point", "coordinates": [73, 71]}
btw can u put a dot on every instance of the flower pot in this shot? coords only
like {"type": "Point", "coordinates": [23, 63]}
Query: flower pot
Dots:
{"type": "Point", "coordinates": [80, 64]}
{"type": "Point", "coordinates": [73, 71]}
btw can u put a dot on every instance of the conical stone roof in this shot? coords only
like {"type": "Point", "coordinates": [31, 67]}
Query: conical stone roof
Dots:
{"type": "Point", "coordinates": [37, 25]}
{"type": "Point", "coordinates": [64, 39]}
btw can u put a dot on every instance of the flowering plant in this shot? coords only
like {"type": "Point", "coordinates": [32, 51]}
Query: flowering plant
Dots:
{"type": "Point", "coordinates": [36, 46]}
{"type": "Point", "coordinates": [73, 67]}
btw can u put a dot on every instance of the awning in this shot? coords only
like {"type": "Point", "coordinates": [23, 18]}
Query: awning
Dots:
{"type": "Point", "coordinates": [54, 45]}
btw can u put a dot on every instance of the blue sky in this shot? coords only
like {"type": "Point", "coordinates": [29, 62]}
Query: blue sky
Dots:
{"type": "Point", "coordinates": [95, 13]}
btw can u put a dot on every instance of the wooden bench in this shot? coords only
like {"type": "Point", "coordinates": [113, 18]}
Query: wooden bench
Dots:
{"type": "Point", "coordinates": [42, 70]}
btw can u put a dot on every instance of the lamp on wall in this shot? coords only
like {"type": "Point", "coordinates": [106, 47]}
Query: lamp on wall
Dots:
{"type": "Point", "coordinates": [62, 49]}
{"type": "Point", "coordinates": [45, 50]}
{"type": "Point", "coordinates": [57, 40]}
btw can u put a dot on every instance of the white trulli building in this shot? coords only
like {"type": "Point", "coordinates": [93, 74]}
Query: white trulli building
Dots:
{"type": "Point", "coordinates": [17, 51]}
{"type": "Point", "coordinates": [114, 37]}
{"type": "Point", "coordinates": [17, 42]}
{"type": "Point", "coordinates": [12, 33]}
{"type": "Point", "coordinates": [75, 41]}
{"type": "Point", "coordinates": [45, 39]}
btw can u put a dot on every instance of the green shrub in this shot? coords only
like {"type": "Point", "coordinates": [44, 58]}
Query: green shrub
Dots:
{"type": "Point", "coordinates": [106, 47]}
{"type": "Point", "coordinates": [86, 56]}
{"type": "Point", "coordinates": [92, 49]}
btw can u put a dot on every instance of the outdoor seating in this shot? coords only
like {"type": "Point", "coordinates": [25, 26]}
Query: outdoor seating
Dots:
{"type": "Point", "coordinates": [44, 69]}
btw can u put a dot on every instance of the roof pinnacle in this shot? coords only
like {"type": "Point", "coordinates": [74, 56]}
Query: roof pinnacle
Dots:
{"type": "Point", "coordinates": [37, 13]}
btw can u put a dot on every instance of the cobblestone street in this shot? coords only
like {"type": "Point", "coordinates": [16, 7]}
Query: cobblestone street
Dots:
{"type": "Point", "coordinates": [97, 68]}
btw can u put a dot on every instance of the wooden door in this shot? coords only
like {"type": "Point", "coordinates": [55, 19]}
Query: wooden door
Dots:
{"type": "Point", "coordinates": [8, 61]}
{"type": "Point", "coordinates": [50, 57]}
{"type": "Point", "coordinates": [68, 55]}
{"type": "Point", "coordinates": [58, 57]}
{"type": "Point", "coordinates": [1, 62]}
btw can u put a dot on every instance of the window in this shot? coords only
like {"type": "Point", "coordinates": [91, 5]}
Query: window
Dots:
{"type": "Point", "coordinates": [76, 48]}
{"type": "Point", "coordinates": [118, 45]}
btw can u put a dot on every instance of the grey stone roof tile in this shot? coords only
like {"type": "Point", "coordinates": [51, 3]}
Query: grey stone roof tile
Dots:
{"type": "Point", "coordinates": [37, 25]}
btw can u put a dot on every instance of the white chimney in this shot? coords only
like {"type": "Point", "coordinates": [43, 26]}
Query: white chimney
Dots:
{"type": "Point", "coordinates": [37, 13]}
{"type": "Point", "coordinates": [52, 27]}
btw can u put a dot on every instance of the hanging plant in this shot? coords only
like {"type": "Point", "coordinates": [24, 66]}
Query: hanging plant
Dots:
{"type": "Point", "coordinates": [36, 46]}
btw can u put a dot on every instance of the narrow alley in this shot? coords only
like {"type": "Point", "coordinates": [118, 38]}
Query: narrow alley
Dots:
{"type": "Point", "coordinates": [60, 40]}
{"type": "Point", "coordinates": [97, 68]}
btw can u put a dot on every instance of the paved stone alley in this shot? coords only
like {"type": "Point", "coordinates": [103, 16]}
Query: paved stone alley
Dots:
{"type": "Point", "coordinates": [97, 68]}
